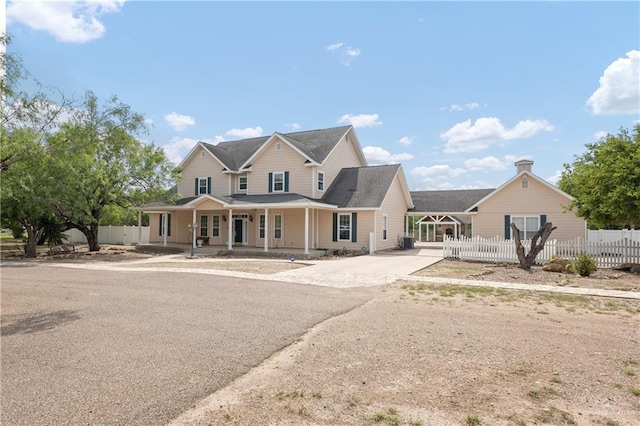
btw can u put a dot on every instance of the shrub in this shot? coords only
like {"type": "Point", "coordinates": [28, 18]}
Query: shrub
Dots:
{"type": "Point", "coordinates": [584, 264]}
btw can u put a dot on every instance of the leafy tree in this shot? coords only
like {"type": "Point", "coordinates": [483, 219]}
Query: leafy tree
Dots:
{"type": "Point", "coordinates": [28, 190]}
{"type": "Point", "coordinates": [23, 110]}
{"type": "Point", "coordinates": [119, 216]}
{"type": "Point", "coordinates": [605, 181]}
{"type": "Point", "coordinates": [102, 164]}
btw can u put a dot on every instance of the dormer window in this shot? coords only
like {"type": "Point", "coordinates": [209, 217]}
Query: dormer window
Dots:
{"type": "Point", "coordinates": [320, 181]}
{"type": "Point", "coordinates": [242, 183]}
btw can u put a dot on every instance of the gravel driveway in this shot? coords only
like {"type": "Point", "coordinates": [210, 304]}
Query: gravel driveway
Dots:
{"type": "Point", "coordinates": [105, 347]}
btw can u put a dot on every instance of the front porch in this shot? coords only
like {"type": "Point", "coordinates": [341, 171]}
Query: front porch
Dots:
{"type": "Point", "coordinates": [239, 251]}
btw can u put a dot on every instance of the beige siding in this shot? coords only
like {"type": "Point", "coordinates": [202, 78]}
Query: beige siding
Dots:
{"type": "Point", "coordinates": [203, 166]}
{"type": "Point", "coordinates": [395, 207]}
{"type": "Point", "coordinates": [325, 231]}
{"type": "Point", "coordinates": [535, 200]}
{"type": "Point", "coordinates": [344, 155]}
{"type": "Point", "coordinates": [286, 160]}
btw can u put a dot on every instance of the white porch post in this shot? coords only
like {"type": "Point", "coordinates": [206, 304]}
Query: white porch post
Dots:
{"type": "Point", "coordinates": [193, 231]}
{"type": "Point", "coordinates": [266, 229]}
{"type": "Point", "coordinates": [230, 230]}
{"type": "Point", "coordinates": [164, 228]}
{"type": "Point", "coordinates": [306, 230]}
{"type": "Point", "coordinates": [139, 227]}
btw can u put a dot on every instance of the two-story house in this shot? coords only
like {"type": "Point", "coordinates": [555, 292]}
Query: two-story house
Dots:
{"type": "Point", "coordinates": [301, 190]}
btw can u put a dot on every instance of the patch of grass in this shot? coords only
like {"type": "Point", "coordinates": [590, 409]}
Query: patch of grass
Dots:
{"type": "Point", "coordinates": [292, 394]}
{"type": "Point", "coordinates": [631, 362]}
{"type": "Point", "coordinates": [554, 416]}
{"type": "Point", "coordinates": [316, 395]}
{"type": "Point", "coordinates": [617, 385]}
{"type": "Point", "coordinates": [557, 380]}
{"type": "Point", "coordinates": [472, 420]}
{"type": "Point", "coordinates": [629, 372]}
{"type": "Point", "coordinates": [415, 423]}
{"type": "Point", "coordinates": [610, 422]}
{"type": "Point", "coordinates": [635, 391]}
{"type": "Point", "coordinates": [542, 394]}
{"type": "Point", "coordinates": [352, 400]}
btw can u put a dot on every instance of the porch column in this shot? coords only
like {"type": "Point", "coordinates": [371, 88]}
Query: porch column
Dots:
{"type": "Point", "coordinates": [139, 227]}
{"type": "Point", "coordinates": [266, 229]}
{"type": "Point", "coordinates": [230, 230]}
{"type": "Point", "coordinates": [193, 232]}
{"type": "Point", "coordinates": [306, 230]}
{"type": "Point", "coordinates": [164, 228]}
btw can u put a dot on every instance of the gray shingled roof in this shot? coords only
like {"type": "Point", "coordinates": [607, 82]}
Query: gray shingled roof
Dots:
{"type": "Point", "coordinates": [315, 144]}
{"type": "Point", "coordinates": [451, 201]}
{"type": "Point", "coordinates": [361, 187]}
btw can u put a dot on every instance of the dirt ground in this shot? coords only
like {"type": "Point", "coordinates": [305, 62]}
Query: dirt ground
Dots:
{"type": "Point", "coordinates": [422, 354]}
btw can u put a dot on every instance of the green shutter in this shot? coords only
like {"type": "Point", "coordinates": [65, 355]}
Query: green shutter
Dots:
{"type": "Point", "coordinates": [168, 224]}
{"type": "Point", "coordinates": [543, 220]}
{"type": "Point", "coordinates": [354, 227]}
{"type": "Point", "coordinates": [209, 185]}
{"type": "Point", "coordinates": [270, 182]}
{"type": "Point", "coordinates": [197, 187]}
{"type": "Point", "coordinates": [286, 181]}
{"type": "Point", "coordinates": [335, 227]}
{"type": "Point", "coordinates": [507, 227]}
{"type": "Point", "coordinates": [160, 223]}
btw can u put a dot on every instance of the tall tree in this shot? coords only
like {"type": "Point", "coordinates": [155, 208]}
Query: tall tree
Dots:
{"type": "Point", "coordinates": [103, 164]}
{"type": "Point", "coordinates": [20, 109]}
{"type": "Point", "coordinates": [605, 180]}
{"type": "Point", "coordinates": [28, 190]}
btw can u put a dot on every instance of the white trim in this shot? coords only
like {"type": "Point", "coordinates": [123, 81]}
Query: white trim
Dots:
{"type": "Point", "coordinates": [273, 181]}
{"type": "Point", "coordinates": [187, 158]}
{"type": "Point", "coordinates": [350, 226]}
{"type": "Point", "coordinates": [318, 173]}
{"type": "Point", "coordinates": [246, 176]}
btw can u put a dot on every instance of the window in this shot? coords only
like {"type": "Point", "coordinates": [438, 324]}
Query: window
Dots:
{"type": "Point", "coordinates": [161, 228]}
{"type": "Point", "coordinates": [262, 226]}
{"type": "Point", "coordinates": [277, 226]}
{"type": "Point", "coordinates": [242, 183]}
{"type": "Point", "coordinates": [215, 226]}
{"type": "Point", "coordinates": [344, 227]}
{"type": "Point", "coordinates": [320, 181]}
{"type": "Point", "coordinates": [385, 221]}
{"type": "Point", "coordinates": [203, 185]}
{"type": "Point", "coordinates": [278, 182]}
{"type": "Point", "coordinates": [525, 183]}
{"type": "Point", "coordinates": [279, 146]}
{"type": "Point", "coordinates": [528, 226]}
{"type": "Point", "coordinates": [204, 225]}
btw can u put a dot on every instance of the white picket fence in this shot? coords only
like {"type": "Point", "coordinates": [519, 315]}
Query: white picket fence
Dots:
{"type": "Point", "coordinates": [607, 254]}
{"type": "Point", "coordinates": [125, 235]}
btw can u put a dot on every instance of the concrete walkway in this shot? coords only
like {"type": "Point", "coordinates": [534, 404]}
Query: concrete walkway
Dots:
{"type": "Point", "coordinates": [359, 271]}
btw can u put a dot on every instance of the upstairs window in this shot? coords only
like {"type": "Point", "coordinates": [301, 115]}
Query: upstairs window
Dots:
{"type": "Point", "coordinates": [320, 181]}
{"type": "Point", "coordinates": [203, 185]}
{"type": "Point", "coordinates": [242, 183]}
{"type": "Point", "coordinates": [279, 182]}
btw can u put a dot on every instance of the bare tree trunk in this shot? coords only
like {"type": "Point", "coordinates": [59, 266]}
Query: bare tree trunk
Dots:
{"type": "Point", "coordinates": [543, 234]}
{"type": "Point", "coordinates": [34, 232]}
{"type": "Point", "coordinates": [91, 234]}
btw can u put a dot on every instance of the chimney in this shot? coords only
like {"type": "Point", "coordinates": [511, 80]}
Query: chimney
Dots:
{"type": "Point", "coordinates": [523, 165]}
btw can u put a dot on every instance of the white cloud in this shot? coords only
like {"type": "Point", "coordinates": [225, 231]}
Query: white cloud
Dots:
{"type": "Point", "coordinates": [293, 126]}
{"type": "Point", "coordinates": [619, 91]}
{"type": "Point", "coordinates": [179, 147]}
{"type": "Point", "coordinates": [555, 178]}
{"type": "Point", "coordinates": [67, 21]}
{"type": "Point", "coordinates": [456, 107]}
{"type": "Point", "coordinates": [465, 137]}
{"type": "Point", "coordinates": [347, 53]}
{"type": "Point", "coordinates": [249, 132]}
{"type": "Point", "coordinates": [148, 121]}
{"type": "Point", "coordinates": [377, 155]}
{"type": "Point", "coordinates": [600, 134]}
{"type": "Point", "coordinates": [360, 120]}
{"type": "Point", "coordinates": [440, 171]}
{"type": "Point", "coordinates": [179, 121]}
{"type": "Point", "coordinates": [406, 140]}
{"type": "Point", "coordinates": [485, 164]}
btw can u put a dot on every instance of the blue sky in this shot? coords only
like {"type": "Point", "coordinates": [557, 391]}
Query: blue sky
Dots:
{"type": "Point", "coordinates": [455, 91]}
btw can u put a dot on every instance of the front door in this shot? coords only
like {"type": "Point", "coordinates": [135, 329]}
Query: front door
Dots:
{"type": "Point", "coordinates": [238, 227]}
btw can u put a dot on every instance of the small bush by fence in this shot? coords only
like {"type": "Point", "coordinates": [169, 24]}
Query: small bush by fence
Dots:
{"type": "Point", "coordinates": [607, 254]}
